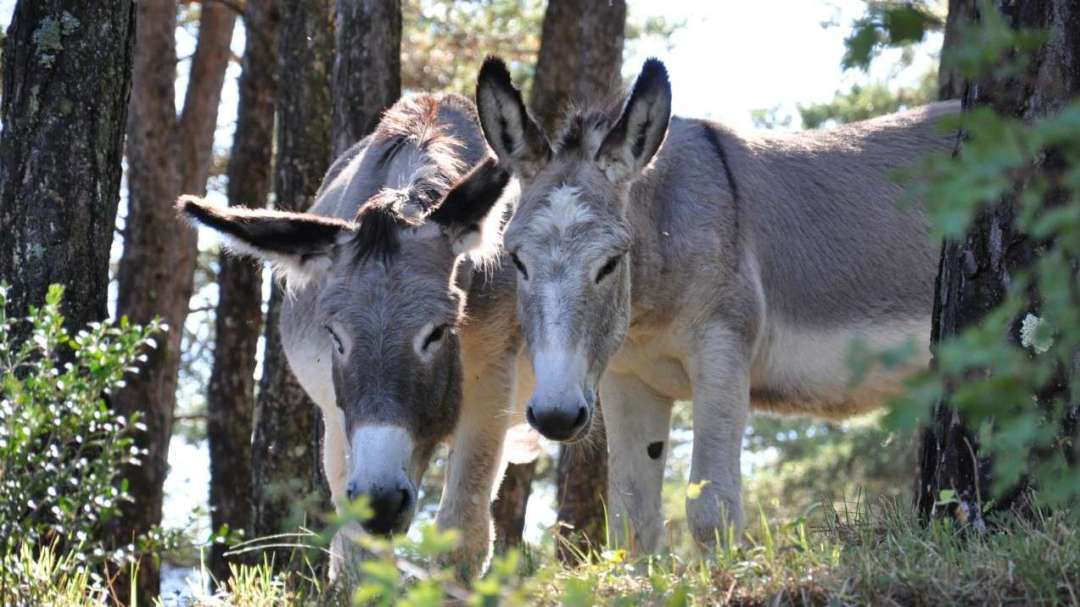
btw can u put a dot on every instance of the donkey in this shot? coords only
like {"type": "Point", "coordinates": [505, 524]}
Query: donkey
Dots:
{"type": "Point", "coordinates": [664, 259]}
{"type": "Point", "coordinates": [376, 326]}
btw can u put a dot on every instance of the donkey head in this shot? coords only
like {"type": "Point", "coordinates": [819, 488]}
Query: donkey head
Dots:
{"type": "Point", "coordinates": [387, 312]}
{"type": "Point", "coordinates": [569, 237]}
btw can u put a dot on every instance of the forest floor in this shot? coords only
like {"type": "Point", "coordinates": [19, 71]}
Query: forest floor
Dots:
{"type": "Point", "coordinates": [878, 555]}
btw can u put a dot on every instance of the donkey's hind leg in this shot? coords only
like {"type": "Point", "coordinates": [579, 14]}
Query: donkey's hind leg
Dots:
{"type": "Point", "coordinates": [638, 422]}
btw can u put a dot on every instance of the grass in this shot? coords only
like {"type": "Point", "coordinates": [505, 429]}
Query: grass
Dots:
{"type": "Point", "coordinates": [866, 555]}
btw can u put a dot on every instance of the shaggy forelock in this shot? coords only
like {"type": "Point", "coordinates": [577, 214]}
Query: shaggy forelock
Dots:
{"type": "Point", "coordinates": [585, 125]}
{"type": "Point", "coordinates": [410, 126]}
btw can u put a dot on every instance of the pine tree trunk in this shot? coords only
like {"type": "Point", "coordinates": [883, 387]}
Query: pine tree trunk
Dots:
{"type": "Point", "coordinates": [166, 157]}
{"type": "Point", "coordinates": [65, 104]}
{"type": "Point", "coordinates": [286, 462]}
{"type": "Point", "coordinates": [975, 273]}
{"type": "Point", "coordinates": [580, 61]}
{"type": "Point", "coordinates": [508, 509]}
{"type": "Point", "coordinates": [367, 67]}
{"type": "Point", "coordinates": [950, 80]}
{"type": "Point", "coordinates": [230, 400]}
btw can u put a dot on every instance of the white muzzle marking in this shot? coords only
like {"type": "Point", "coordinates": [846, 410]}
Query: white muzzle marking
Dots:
{"type": "Point", "coordinates": [378, 453]}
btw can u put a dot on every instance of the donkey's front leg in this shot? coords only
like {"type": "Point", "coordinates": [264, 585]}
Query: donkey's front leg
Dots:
{"type": "Point", "coordinates": [638, 422]}
{"type": "Point", "coordinates": [720, 372]}
{"type": "Point", "coordinates": [335, 467]}
{"type": "Point", "coordinates": [475, 465]}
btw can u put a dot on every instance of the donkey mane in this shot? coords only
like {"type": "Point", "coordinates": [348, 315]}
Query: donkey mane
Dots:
{"type": "Point", "coordinates": [584, 127]}
{"type": "Point", "coordinates": [411, 125]}
{"type": "Point", "coordinates": [377, 232]}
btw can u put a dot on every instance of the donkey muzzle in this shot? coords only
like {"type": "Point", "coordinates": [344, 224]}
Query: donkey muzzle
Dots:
{"type": "Point", "coordinates": [379, 460]}
{"type": "Point", "coordinates": [562, 418]}
{"type": "Point", "coordinates": [391, 503]}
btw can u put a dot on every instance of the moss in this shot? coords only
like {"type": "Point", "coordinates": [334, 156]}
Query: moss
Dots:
{"type": "Point", "coordinates": [68, 23]}
{"type": "Point", "coordinates": [48, 37]}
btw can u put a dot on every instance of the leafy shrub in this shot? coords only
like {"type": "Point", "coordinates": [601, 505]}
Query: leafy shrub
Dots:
{"type": "Point", "coordinates": [1014, 374]}
{"type": "Point", "coordinates": [61, 447]}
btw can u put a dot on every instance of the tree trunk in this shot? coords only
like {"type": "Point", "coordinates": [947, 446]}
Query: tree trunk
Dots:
{"type": "Point", "coordinates": [166, 157]}
{"type": "Point", "coordinates": [285, 444]}
{"type": "Point", "coordinates": [508, 510]}
{"type": "Point", "coordinates": [230, 400]}
{"type": "Point", "coordinates": [975, 273]}
{"type": "Point", "coordinates": [580, 61]}
{"type": "Point", "coordinates": [367, 67]}
{"type": "Point", "coordinates": [950, 80]}
{"type": "Point", "coordinates": [66, 79]}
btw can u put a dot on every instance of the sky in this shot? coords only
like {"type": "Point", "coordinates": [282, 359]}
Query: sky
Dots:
{"type": "Point", "coordinates": [732, 57]}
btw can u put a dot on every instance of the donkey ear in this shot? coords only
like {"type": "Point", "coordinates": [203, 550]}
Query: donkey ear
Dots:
{"type": "Point", "coordinates": [300, 245]}
{"type": "Point", "coordinates": [462, 211]}
{"type": "Point", "coordinates": [631, 143]}
{"type": "Point", "coordinates": [517, 140]}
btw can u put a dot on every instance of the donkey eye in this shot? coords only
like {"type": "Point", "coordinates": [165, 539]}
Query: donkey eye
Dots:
{"type": "Point", "coordinates": [607, 268]}
{"type": "Point", "coordinates": [436, 334]}
{"type": "Point", "coordinates": [337, 340]}
{"type": "Point", "coordinates": [520, 266]}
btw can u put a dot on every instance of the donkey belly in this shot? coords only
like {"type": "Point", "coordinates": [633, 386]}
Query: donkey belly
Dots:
{"type": "Point", "coordinates": [812, 371]}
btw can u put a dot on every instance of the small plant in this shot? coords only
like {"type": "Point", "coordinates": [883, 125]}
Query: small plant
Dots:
{"type": "Point", "coordinates": [61, 447]}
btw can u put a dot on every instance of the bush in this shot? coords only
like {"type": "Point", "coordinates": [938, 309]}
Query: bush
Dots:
{"type": "Point", "coordinates": [61, 447]}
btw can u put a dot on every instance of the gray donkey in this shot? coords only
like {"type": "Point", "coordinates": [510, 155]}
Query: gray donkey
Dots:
{"type": "Point", "coordinates": [376, 325]}
{"type": "Point", "coordinates": [666, 259]}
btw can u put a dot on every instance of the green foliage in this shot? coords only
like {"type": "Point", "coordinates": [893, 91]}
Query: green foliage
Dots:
{"type": "Point", "coordinates": [824, 465]}
{"type": "Point", "coordinates": [889, 23]}
{"type": "Point", "coordinates": [876, 555]}
{"type": "Point", "coordinates": [445, 41]}
{"type": "Point", "coordinates": [862, 102]}
{"type": "Point", "coordinates": [61, 448]}
{"type": "Point", "coordinates": [1009, 375]}
{"type": "Point", "coordinates": [44, 578]}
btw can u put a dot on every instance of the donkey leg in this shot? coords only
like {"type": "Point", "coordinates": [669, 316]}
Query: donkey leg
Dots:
{"type": "Point", "coordinates": [335, 467]}
{"type": "Point", "coordinates": [335, 455]}
{"type": "Point", "coordinates": [720, 372]}
{"type": "Point", "coordinates": [638, 422]}
{"type": "Point", "coordinates": [474, 465]}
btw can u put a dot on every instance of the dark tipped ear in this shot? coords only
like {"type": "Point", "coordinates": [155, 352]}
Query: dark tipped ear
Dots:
{"type": "Point", "coordinates": [299, 244]}
{"type": "Point", "coordinates": [464, 208]}
{"type": "Point", "coordinates": [517, 140]}
{"type": "Point", "coordinates": [631, 144]}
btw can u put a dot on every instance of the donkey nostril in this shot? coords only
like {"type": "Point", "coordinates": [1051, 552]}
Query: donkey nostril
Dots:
{"type": "Point", "coordinates": [582, 417]}
{"type": "Point", "coordinates": [530, 417]}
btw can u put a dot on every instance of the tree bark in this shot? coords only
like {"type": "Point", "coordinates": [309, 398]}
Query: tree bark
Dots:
{"type": "Point", "coordinates": [975, 273]}
{"type": "Point", "coordinates": [367, 67]}
{"type": "Point", "coordinates": [580, 58]}
{"type": "Point", "coordinates": [231, 395]}
{"type": "Point", "coordinates": [950, 80]}
{"type": "Point", "coordinates": [285, 447]}
{"type": "Point", "coordinates": [511, 503]}
{"type": "Point", "coordinates": [580, 62]}
{"type": "Point", "coordinates": [66, 78]}
{"type": "Point", "coordinates": [166, 157]}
